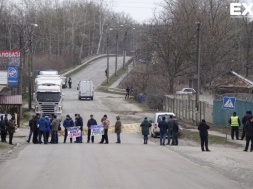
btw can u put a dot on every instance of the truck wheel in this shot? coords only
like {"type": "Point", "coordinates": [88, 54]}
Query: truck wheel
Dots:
{"type": "Point", "coordinates": [79, 98]}
{"type": "Point", "coordinates": [91, 98]}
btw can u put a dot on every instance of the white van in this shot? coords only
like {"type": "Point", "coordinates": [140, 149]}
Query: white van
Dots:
{"type": "Point", "coordinates": [86, 90]}
{"type": "Point", "coordinates": [155, 130]}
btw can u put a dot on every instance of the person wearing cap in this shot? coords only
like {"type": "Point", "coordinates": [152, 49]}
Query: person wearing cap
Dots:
{"type": "Point", "coordinates": [249, 134]}
{"type": "Point", "coordinates": [30, 130]}
{"type": "Point", "coordinates": [106, 124]}
{"type": "Point", "coordinates": [203, 133]}
{"type": "Point", "coordinates": [117, 130]}
{"type": "Point", "coordinates": [145, 125]}
{"type": "Point", "coordinates": [245, 119]}
{"type": "Point", "coordinates": [235, 123]}
{"type": "Point", "coordinates": [90, 122]}
{"type": "Point", "coordinates": [175, 130]}
{"type": "Point", "coordinates": [163, 125]}
{"type": "Point", "coordinates": [68, 122]}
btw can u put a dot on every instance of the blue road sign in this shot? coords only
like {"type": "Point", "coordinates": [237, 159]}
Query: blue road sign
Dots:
{"type": "Point", "coordinates": [229, 103]}
{"type": "Point", "coordinates": [13, 72]}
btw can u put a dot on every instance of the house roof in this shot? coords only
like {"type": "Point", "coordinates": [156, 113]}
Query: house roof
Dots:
{"type": "Point", "coordinates": [10, 100]}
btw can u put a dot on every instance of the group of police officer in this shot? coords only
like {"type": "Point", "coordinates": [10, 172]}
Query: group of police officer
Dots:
{"type": "Point", "coordinates": [247, 130]}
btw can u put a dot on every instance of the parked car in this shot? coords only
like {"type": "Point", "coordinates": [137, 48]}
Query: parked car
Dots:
{"type": "Point", "coordinates": [186, 91]}
{"type": "Point", "coordinates": [155, 130]}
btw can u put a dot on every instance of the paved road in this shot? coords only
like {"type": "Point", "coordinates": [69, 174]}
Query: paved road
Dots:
{"type": "Point", "coordinates": [130, 165]}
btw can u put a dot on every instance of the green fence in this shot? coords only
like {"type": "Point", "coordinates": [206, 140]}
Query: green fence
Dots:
{"type": "Point", "coordinates": [221, 116]}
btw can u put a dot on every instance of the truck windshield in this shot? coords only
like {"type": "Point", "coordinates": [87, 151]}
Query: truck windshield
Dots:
{"type": "Point", "coordinates": [48, 97]}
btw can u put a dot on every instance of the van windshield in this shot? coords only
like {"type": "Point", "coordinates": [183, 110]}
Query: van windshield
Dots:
{"type": "Point", "coordinates": [48, 96]}
{"type": "Point", "coordinates": [160, 118]}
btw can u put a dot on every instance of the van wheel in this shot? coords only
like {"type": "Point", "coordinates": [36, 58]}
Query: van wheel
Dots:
{"type": "Point", "coordinates": [79, 98]}
{"type": "Point", "coordinates": [91, 98]}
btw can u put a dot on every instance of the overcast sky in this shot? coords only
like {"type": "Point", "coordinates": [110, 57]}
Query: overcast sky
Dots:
{"type": "Point", "coordinates": [139, 10]}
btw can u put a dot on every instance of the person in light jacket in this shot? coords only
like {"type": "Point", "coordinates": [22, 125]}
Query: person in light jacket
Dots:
{"type": "Point", "coordinates": [54, 127]}
{"type": "Point", "coordinates": [118, 126]}
{"type": "Point", "coordinates": [106, 124]}
{"type": "Point", "coordinates": [203, 133]}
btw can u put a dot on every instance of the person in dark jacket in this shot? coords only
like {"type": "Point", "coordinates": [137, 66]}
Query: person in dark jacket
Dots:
{"type": "Point", "coordinates": [249, 134]}
{"type": "Point", "coordinates": [35, 129]}
{"type": "Point", "coordinates": [54, 127]}
{"type": "Point", "coordinates": [127, 92]}
{"type": "Point", "coordinates": [79, 122]}
{"type": "Point", "coordinates": [68, 122]}
{"type": "Point", "coordinates": [170, 126]}
{"type": "Point", "coordinates": [42, 125]}
{"type": "Point", "coordinates": [70, 82]}
{"type": "Point", "coordinates": [163, 125]}
{"type": "Point", "coordinates": [145, 125]}
{"type": "Point", "coordinates": [245, 119]}
{"type": "Point", "coordinates": [48, 129]}
{"type": "Point", "coordinates": [31, 129]}
{"type": "Point", "coordinates": [11, 129]}
{"type": "Point", "coordinates": [175, 130]}
{"type": "Point", "coordinates": [118, 126]}
{"type": "Point", "coordinates": [203, 133]}
{"type": "Point", "coordinates": [90, 122]}
{"type": "Point", "coordinates": [3, 129]}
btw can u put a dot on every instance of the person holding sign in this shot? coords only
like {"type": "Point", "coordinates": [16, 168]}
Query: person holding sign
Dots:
{"type": "Point", "coordinates": [91, 122]}
{"type": "Point", "coordinates": [68, 122]}
{"type": "Point", "coordinates": [118, 125]}
{"type": "Point", "coordinates": [79, 122]}
{"type": "Point", "coordinates": [106, 124]}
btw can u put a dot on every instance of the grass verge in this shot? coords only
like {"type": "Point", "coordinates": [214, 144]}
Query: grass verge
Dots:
{"type": "Point", "coordinates": [194, 136]}
{"type": "Point", "coordinates": [114, 78]}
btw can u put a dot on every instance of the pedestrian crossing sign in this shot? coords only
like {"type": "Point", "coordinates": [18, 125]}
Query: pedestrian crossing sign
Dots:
{"type": "Point", "coordinates": [229, 103]}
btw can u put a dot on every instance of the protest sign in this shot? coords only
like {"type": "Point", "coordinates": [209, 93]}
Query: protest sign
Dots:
{"type": "Point", "coordinates": [97, 130]}
{"type": "Point", "coordinates": [74, 131]}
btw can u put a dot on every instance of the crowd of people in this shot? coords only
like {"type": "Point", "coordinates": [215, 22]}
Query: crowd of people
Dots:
{"type": "Point", "coordinates": [169, 128]}
{"type": "Point", "coordinates": [44, 126]}
{"type": "Point", "coordinates": [7, 126]}
{"type": "Point", "coordinates": [247, 130]}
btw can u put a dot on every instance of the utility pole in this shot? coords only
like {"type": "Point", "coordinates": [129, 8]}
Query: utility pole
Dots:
{"type": "Point", "coordinates": [107, 69]}
{"type": "Point", "coordinates": [124, 52]}
{"type": "Point", "coordinates": [116, 58]}
{"type": "Point", "coordinates": [198, 74]}
{"type": "Point", "coordinates": [21, 64]}
{"type": "Point", "coordinates": [29, 75]}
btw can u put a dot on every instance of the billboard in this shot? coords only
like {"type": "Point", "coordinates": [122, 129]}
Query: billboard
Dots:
{"type": "Point", "coordinates": [13, 72]}
{"type": "Point", "coordinates": [9, 58]}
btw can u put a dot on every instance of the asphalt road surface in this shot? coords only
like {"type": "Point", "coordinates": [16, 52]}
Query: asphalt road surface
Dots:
{"type": "Point", "coordinates": [130, 165]}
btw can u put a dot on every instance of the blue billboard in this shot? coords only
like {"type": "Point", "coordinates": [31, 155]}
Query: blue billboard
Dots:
{"type": "Point", "coordinates": [13, 72]}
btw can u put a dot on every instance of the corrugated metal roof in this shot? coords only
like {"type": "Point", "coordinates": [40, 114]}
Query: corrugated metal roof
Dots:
{"type": "Point", "coordinates": [11, 100]}
{"type": "Point", "coordinates": [247, 81]}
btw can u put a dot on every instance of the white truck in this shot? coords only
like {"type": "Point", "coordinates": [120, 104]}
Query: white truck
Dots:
{"type": "Point", "coordinates": [85, 90]}
{"type": "Point", "coordinates": [48, 93]}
